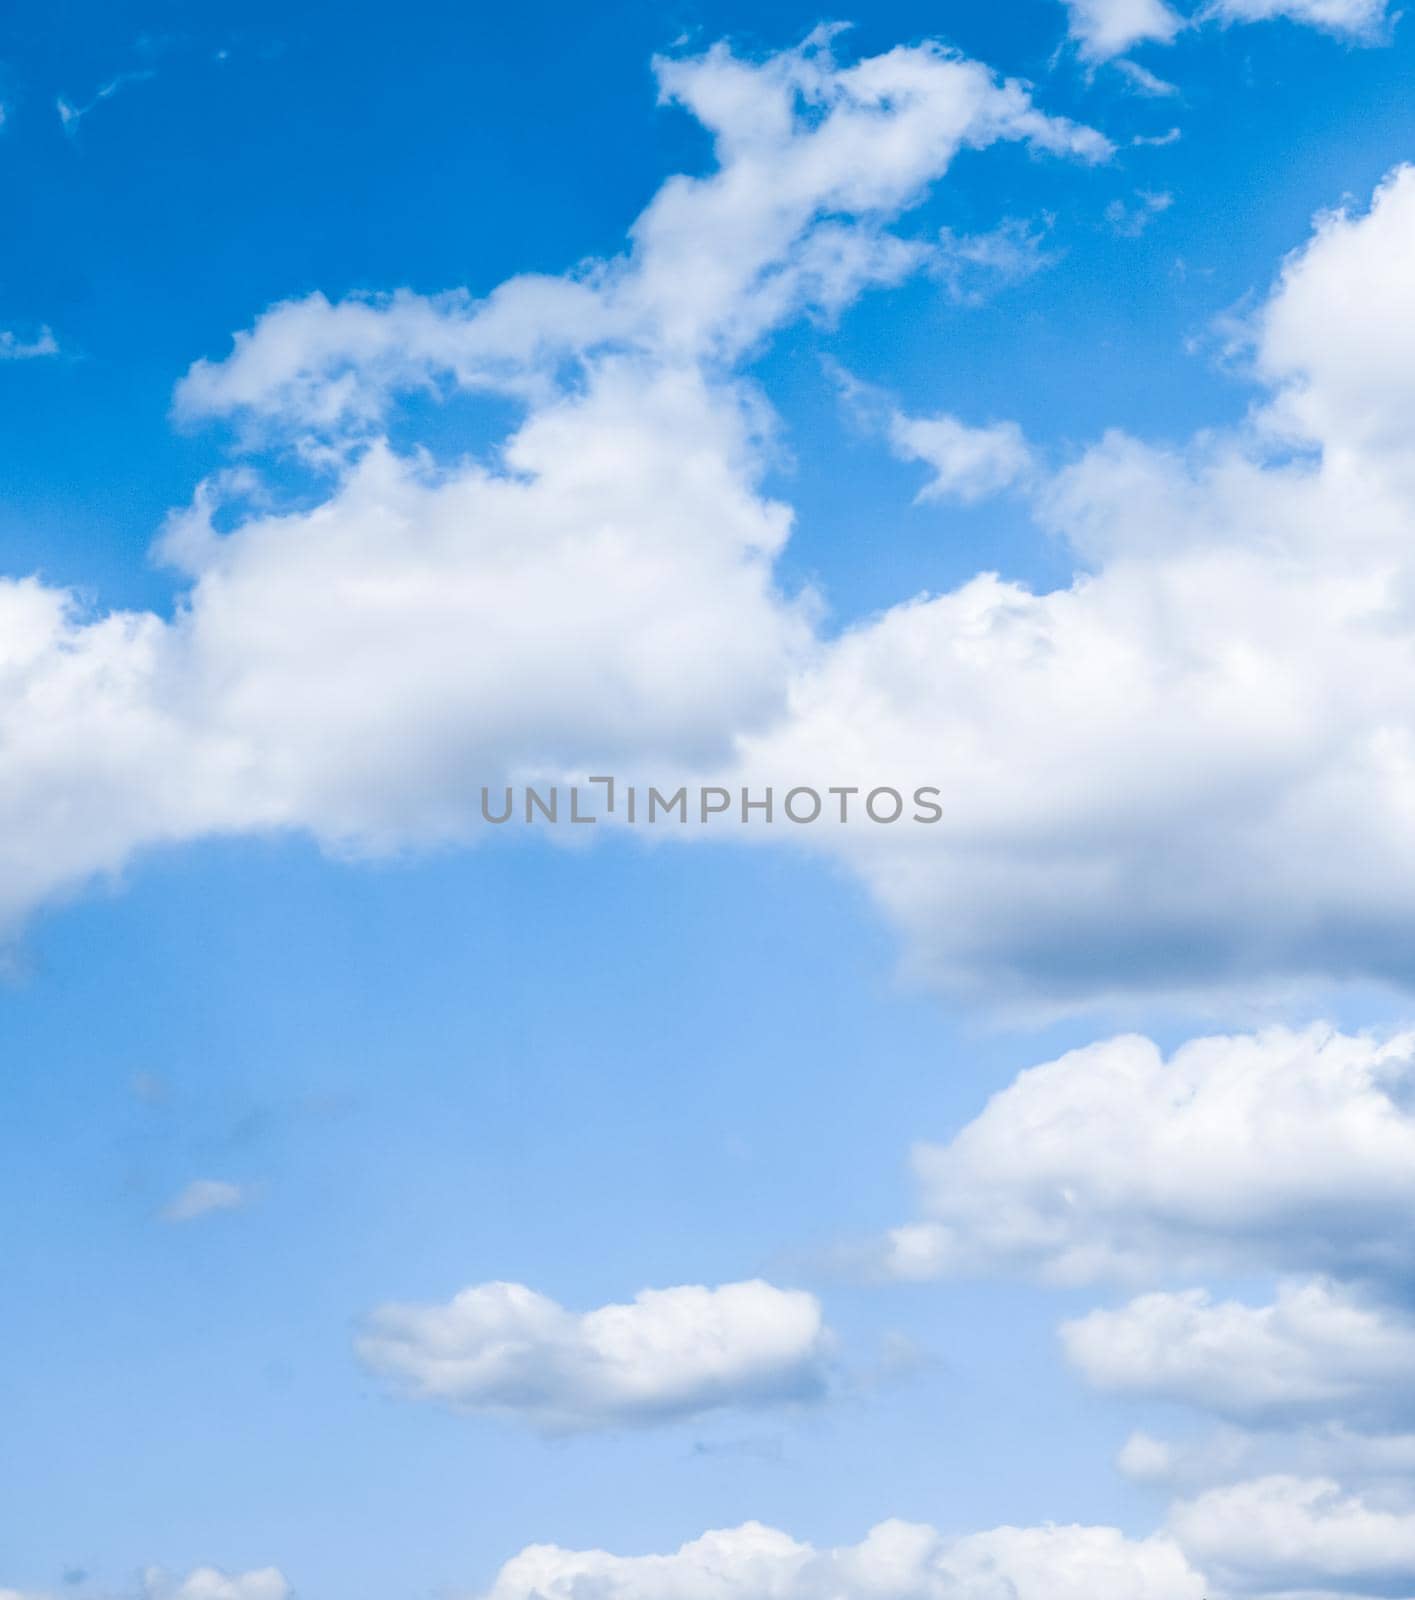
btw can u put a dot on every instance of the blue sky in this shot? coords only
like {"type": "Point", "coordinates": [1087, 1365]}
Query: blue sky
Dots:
{"type": "Point", "coordinates": [965, 399]}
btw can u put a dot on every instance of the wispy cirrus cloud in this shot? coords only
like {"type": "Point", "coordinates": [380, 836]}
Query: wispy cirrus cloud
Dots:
{"type": "Point", "coordinates": [15, 347]}
{"type": "Point", "coordinates": [975, 266]}
{"type": "Point", "coordinates": [72, 113]}
{"type": "Point", "coordinates": [1106, 29]}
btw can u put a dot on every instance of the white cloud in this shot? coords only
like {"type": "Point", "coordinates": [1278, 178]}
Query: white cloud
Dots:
{"type": "Point", "coordinates": [203, 1196]}
{"type": "Point", "coordinates": [71, 115]}
{"type": "Point", "coordinates": [1143, 81]}
{"type": "Point", "coordinates": [504, 1349]}
{"type": "Point", "coordinates": [815, 160]}
{"type": "Point", "coordinates": [15, 348]}
{"type": "Point", "coordinates": [896, 1561]}
{"type": "Point", "coordinates": [207, 1583]}
{"type": "Point", "coordinates": [1153, 774]}
{"type": "Point", "coordinates": [202, 1583]}
{"type": "Point", "coordinates": [1230, 1454]}
{"type": "Point", "coordinates": [1106, 28]}
{"type": "Point", "coordinates": [974, 265]}
{"type": "Point", "coordinates": [1284, 1535]}
{"type": "Point", "coordinates": [599, 590]}
{"type": "Point", "coordinates": [968, 463]}
{"type": "Point", "coordinates": [1361, 19]}
{"type": "Point", "coordinates": [1145, 1459]}
{"type": "Point", "coordinates": [1277, 1150]}
{"type": "Point", "coordinates": [1321, 1349]}
{"type": "Point", "coordinates": [421, 633]}
{"type": "Point", "coordinates": [1335, 342]}
{"type": "Point", "coordinates": [1129, 221]}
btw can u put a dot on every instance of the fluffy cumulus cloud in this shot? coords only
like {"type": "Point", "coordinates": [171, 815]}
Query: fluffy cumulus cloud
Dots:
{"type": "Point", "coordinates": [599, 592]}
{"type": "Point", "coordinates": [896, 1561]}
{"type": "Point", "coordinates": [1281, 1150]}
{"type": "Point", "coordinates": [1239, 1156]}
{"type": "Point", "coordinates": [967, 462]}
{"type": "Point", "coordinates": [1234, 657]}
{"type": "Point", "coordinates": [598, 589]}
{"type": "Point", "coordinates": [208, 1583]}
{"type": "Point", "coordinates": [1291, 1536]}
{"type": "Point", "coordinates": [670, 1353]}
{"type": "Point", "coordinates": [1106, 28]}
{"type": "Point", "coordinates": [421, 632]}
{"type": "Point", "coordinates": [1321, 1349]}
{"type": "Point", "coordinates": [1335, 343]}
